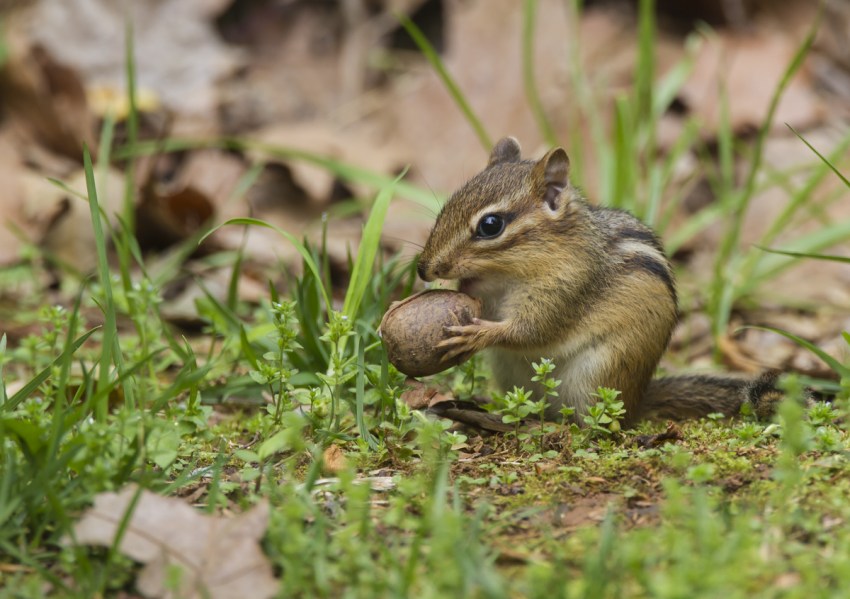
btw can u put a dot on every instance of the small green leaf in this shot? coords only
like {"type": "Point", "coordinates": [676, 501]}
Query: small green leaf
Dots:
{"type": "Point", "coordinates": [272, 445]}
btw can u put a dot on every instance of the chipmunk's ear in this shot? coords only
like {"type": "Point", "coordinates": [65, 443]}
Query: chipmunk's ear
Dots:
{"type": "Point", "coordinates": [506, 150]}
{"type": "Point", "coordinates": [552, 174]}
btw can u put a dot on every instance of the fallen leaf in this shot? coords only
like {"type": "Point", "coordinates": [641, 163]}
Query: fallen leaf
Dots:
{"type": "Point", "coordinates": [167, 216]}
{"type": "Point", "coordinates": [46, 98]}
{"type": "Point", "coordinates": [276, 189]}
{"type": "Point", "coordinates": [298, 52]}
{"type": "Point", "coordinates": [220, 558]}
{"type": "Point", "coordinates": [182, 294]}
{"type": "Point", "coordinates": [419, 396]}
{"type": "Point", "coordinates": [179, 57]}
{"type": "Point", "coordinates": [736, 357]}
{"type": "Point", "coordinates": [832, 54]}
{"type": "Point", "coordinates": [750, 65]}
{"type": "Point", "coordinates": [672, 434]}
{"type": "Point", "coordinates": [63, 218]}
{"type": "Point", "coordinates": [323, 139]}
{"type": "Point", "coordinates": [216, 174]}
{"type": "Point", "coordinates": [11, 190]}
{"type": "Point", "coordinates": [584, 510]}
{"type": "Point", "coordinates": [333, 460]}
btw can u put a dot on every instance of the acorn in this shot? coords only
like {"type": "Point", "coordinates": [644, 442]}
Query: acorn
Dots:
{"type": "Point", "coordinates": [412, 328]}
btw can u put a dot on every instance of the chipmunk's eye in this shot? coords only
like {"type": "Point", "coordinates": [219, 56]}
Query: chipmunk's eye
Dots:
{"type": "Point", "coordinates": [490, 225]}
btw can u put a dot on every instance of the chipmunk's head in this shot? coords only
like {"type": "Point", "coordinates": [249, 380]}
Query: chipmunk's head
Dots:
{"type": "Point", "coordinates": [501, 220]}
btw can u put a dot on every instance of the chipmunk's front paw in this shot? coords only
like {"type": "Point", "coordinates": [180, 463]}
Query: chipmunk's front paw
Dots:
{"type": "Point", "coordinates": [467, 339]}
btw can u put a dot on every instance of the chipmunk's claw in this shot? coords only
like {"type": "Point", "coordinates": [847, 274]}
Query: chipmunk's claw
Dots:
{"type": "Point", "coordinates": [465, 339]}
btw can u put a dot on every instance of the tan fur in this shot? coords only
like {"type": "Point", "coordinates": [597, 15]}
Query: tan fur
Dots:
{"type": "Point", "coordinates": [588, 287]}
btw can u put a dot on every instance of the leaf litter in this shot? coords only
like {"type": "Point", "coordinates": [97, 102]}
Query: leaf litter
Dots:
{"type": "Point", "coordinates": [218, 557]}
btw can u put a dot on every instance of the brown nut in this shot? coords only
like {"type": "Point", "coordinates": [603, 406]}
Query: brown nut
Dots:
{"type": "Point", "coordinates": [412, 328]}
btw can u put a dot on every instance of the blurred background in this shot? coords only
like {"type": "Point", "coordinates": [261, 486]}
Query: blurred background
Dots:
{"type": "Point", "coordinates": [298, 112]}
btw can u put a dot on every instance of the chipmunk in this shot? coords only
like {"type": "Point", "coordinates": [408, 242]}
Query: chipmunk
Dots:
{"type": "Point", "coordinates": [589, 287]}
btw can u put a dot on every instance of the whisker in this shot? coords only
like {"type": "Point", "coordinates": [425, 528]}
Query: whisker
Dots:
{"type": "Point", "coordinates": [436, 197]}
{"type": "Point", "coordinates": [404, 241]}
{"type": "Point", "coordinates": [422, 209]}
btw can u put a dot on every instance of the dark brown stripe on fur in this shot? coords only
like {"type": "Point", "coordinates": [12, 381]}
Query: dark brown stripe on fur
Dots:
{"type": "Point", "coordinates": [654, 267]}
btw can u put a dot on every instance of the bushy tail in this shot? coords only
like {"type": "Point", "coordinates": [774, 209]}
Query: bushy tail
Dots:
{"type": "Point", "coordinates": [696, 396]}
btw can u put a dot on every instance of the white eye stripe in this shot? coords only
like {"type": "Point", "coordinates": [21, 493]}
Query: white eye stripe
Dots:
{"type": "Point", "coordinates": [630, 247]}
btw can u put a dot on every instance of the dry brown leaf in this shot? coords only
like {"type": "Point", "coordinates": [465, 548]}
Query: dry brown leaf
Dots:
{"type": "Point", "coordinates": [585, 510]}
{"type": "Point", "coordinates": [324, 139]}
{"type": "Point", "coordinates": [220, 558]}
{"type": "Point", "coordinates": [167, 216]}
{"type": "Point", "coordinates": [419, 396]}
{"type": "Point", "coordinates": [262, 245]}
{"type": "Point", "coordinates": [43, 94]}
{"type": "Point", "coordinates": [831, 60]}
{"type": "Point", "coordinates": [180, 196]}
{"type": "Point", "coordinates": [482, 39]}
{"type": "Point", "coordinates": [182, 294]}
{"type": "Point", "coordinates": [216, 174]}
{"type": "Point", "coordinates": [750, 65]}
{"type": "Point", "coordinates": [11, 188]}
{"type": "Point", "coordinates": [63, 219]}
{"type": "Point", "coordinates": [178, 54]}
{"type": "Point", "coordinates": [672, 434]}
{"type": "Point", "coordinates": [333, 461]}
{"type": "Point", "coordinates": [736, 357]}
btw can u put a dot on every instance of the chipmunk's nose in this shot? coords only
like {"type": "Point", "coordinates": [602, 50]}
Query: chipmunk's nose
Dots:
{"type": "Point", "coordinates": [422, 270]}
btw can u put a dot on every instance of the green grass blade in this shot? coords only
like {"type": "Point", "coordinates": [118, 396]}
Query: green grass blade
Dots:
{"type": "Point", "coordinates": [305, 253]}
{"type": "Point", "coordinates": [132, 124]}
{"type": "Point", "coordinates": [723, 292]}
{"type": "Point", "coordinates": [120, 531]}
{"type": "Point", "coordinates": [247, 350]}
{"type": "Point", "coordinates": [814, 256]}
{"type": "Point", "coordinates": [233, 284]}
{"type": "Point", "coordinates": [811, 243]}
{"type": "Point", "coordinates": [65, 367]}
{"type": "Point", "coordinates": [360, 395]}
{"type": "Point", "coordinates": [668, 87]}
{"type": "Point", "coordinates": [801, 197]}
{"type": "Point", "coordinates": [110, 329]}
{"type": "Point", "coordinates": [222, 309]}
{"type": "Point", "coordinates": [431, 55]}
{"type": "Point", "coordinates": [369, 244]}
{"type": "Point", "coordinates": [73, 192]}
{"type": "Point", "coordinates": [823, 158]}
{"type": "Point", "coordinates": [126, 373]}
{"type": "Point", "coordinates": [655, 216]}
{"type": "Point", "coordinates": [532, 94]}
{"type": "Point", "coordinates": [343, 170]}
{"type": "Point", "coordinates": [645, 69]}
{"type": "Point", "coordinates": [104, 149]}
{"type": "Point", "coordinates": [42, 376]}
{"type": "Point", "coordinates": [834, 364]}
{"type": "Point", "coordinates": [189, 376]}
{"type": "Point", "coordinates": [624, 163]}
{"type": "Point", "coordinates": [3, 396]}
